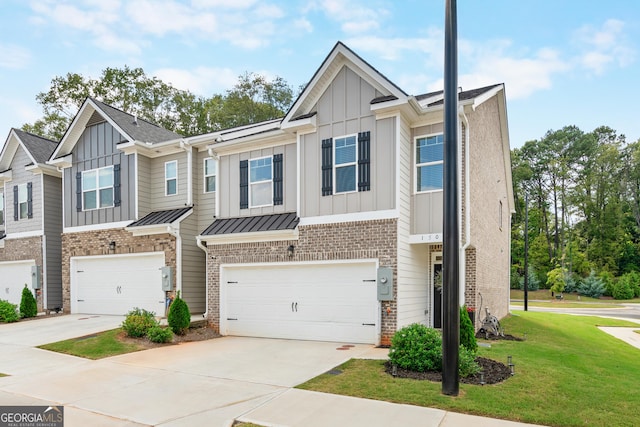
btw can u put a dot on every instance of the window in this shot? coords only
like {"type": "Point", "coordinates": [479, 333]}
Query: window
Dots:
{"type": "Point", "coordinates": [210, 172]}
{"type": "Point", "coordinates": [171, 178]}
{"type": "Point", "coordinates": [1, 208]}
{"type": "Point", "coordinates": [260, 182]}
{"type": "Point", "coordinates": [429, 161]}
{"type": "Point", "coordinates": [23, 201]}
{"type": "Point", "coordinates": [97, 188]}
{"type": "Point", "coordinates": [345, 154]}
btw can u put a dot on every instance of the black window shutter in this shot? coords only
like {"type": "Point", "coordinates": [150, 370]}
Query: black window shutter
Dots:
{"type": "Point", "coordinates": [116, 185]}
{"type": "Point", "coordinates": [277, 179]}
{"type": "Point", "coordinates": [244, 184]}
{"type": "Point", "coordinates": [29, 200]}
{"type": "Point", "coordinates": [364, 161]}
{"type": "Point", "coordinates": [15, 202]}
{"type": "Point", "coordinates": [79, 191]}
{"type": "Point", "coordinates": [327, 167]}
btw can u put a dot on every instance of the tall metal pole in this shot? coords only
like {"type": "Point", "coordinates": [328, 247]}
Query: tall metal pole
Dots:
{"type": "Point", "coordinates": [526, 252]}
{"type": "Point", "coordinates": [451, 230]}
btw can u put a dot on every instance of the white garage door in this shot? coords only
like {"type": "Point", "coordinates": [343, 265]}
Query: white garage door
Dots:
{"type": "Point", "coordinates": [323, 302]}
{"type": "Point", "coordinates": [13, 276]}
{"type": "Point", "coordinates": [116, 284]}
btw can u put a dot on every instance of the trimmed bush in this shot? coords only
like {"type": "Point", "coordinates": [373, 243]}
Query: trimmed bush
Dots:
{"type": "Point", "coordinates": [592, 286]}
{"type": "Point", "coordinates": [138, 322]}
{"type": "Point", "coordinates": [179, 317]}
{"type": "Point", "coordinates": [28, 305]}
{"type": "Point", "coordinates": [467, 365]}
{"type": "Point", "coordinates": [8, 312]}
{"type": "Point", "coordinates": [159, 334]}
{"type": "Point", "coordinates": [622, 290]}
{"type": "Point", "coordinates": [467, 331]}
{"type": "Point", "coordinates": [417, 348]}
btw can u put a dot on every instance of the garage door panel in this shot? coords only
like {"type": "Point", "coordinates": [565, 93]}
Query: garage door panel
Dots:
{"type": "Point", "coordinates": [13, 276]}
{"type": "Point", "coordinates": [329, 302]}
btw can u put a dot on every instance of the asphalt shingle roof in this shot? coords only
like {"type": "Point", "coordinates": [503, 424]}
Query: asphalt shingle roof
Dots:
{"type": "Point", "coordinates": [462, 96]}
{"type": "Point", "coordinates": [144, 131]}
{"type": "Point", "coordinates": [161, 217]}
{"type": "Point", "coordinates": [39, 147]}
{"type": "Point", "coordinates": [285, 221]}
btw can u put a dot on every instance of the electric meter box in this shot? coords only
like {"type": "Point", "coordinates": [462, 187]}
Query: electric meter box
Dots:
{"type": "Point", "coordinates": [385, 284]}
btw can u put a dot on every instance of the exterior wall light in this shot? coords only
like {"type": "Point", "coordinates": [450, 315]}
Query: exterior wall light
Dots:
{"type": "Point", "coordinates": [112, 246]}
{"type": "Point", "coordinates": [290, 251]}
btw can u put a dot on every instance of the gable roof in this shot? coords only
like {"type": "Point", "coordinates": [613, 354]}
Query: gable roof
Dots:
{"type": "Point", "coordinates": [38, 149]}
{"type": "Point", "coordinates": [129, 126]}
{"type": "Point", "coordinates": [437, 98]}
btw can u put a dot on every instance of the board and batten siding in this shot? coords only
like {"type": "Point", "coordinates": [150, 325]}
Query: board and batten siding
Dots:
{"type": "Point", "coordinates": [426, 211]}
{"type": "Point", "coordinates": [193, 266]}
{"type": "Point", "coordinates": [413, 274]}
{"type": "Point", "coordinates": [21, 176]}
{"type": "Point", "coordinates": [345, 109]}
{"type": "Point", "coordinates": [229, 180]}
{"type": "Point", "coordinates": [144, 185]}
{"type": "Point", "coordinates": [159, 201]}
{"type": "Point", "coordinates": [206, 202]}
{"type": "Point", "coordinates": [52, 240]}
{"type": "Point", "coordinates": [96, 148]}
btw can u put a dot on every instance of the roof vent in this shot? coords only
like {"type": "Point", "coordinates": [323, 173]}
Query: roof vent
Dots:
{"type": "Point", "coordinates": [135, 119]}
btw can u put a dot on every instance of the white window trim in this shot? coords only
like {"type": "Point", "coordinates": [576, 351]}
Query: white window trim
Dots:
{"type": "Point", "coordinates": [336, 166]}
{"type": "Point", "coordinates": [98, 188]}
{"type": "Point", "coordinates": [205, 176]}
{"type": "Point", "coordinates": [166, 179]}
{"type": "Point", "coordinates": [416, 165]}
{"type": "Point", "coordinates": [25, 201]}
{"type": "Point", "coordinates": [251, 205]}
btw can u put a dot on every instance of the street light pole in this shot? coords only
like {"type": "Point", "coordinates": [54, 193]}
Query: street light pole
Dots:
{"type": "Point", "coordinates": [526, 252]}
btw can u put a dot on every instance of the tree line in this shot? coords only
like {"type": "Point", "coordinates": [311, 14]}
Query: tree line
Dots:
{"type": "Point", "coordinates": [583, 193]}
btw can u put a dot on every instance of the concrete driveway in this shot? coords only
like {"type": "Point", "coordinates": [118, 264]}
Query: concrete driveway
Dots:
{"type": "Point", "coordinates": [191, 384]}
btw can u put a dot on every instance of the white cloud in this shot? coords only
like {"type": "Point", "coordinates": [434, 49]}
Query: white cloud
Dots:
{"type": "Point", "coordinates": [159, 18]}
{"type": "Point", "coordinates": [394, 49]}
{"type": "Point", "coordinates": [13, 56]}
{"type": "Point", "coordinates": [303, 24]}
{"type": "Point", "coordinates": [201, 80]}
{"type": "Point", "coordinates": [353, 17]}
{"type": "Point", "coordinates": [603, 47]}
{"type": "Point", "coordinates": [227, 4]}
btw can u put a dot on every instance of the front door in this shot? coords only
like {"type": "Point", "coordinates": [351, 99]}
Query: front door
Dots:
{"type": "Point", "coordinates": [436, 281]}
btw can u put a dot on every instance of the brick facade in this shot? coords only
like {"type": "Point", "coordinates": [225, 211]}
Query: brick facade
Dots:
{"type": "Point", "coordinates": [25, 249]}
{"type": "Point", "coordinates": [344, 241]}
{"type": "Point", "coordinates": [92, 243]}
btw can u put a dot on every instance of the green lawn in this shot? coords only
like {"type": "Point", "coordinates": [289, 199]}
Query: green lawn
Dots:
{"type": "Point", "coordinates": [104, 344]}
{"type": "Point", "coordinates": [568, 373]}
{"type": "Point", "coordinates": [545, 294]}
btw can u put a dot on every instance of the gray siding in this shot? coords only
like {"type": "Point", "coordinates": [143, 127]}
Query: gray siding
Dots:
{"type": "Point", "coordinates": [158, 199]}
{"type": "Point", "coordinates": [4, 208]}
{"type": "Point", "coordinates": [21, 176]}
{"type": "Point", "coordinates": [193, 266]}
{"type": "Point", "coordinates": [205, 202]}
{"type": "Point", "coordinates": [97, 148]}
{"type": "Point", "coordinates": [345, 109]}
{"type": "Point", "coordinates": [229, 180]}
{"type": "Point", "coordinates": [53, 245]}
{"type": "Point", "coordinates": [426, 208]}
{"type": "Point", "coordinates": [144, 186]}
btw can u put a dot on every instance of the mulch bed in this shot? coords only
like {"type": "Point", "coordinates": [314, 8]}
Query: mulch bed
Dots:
{"type": "Point", "coordinates": [493, 372]}
{"type": "Point", "coordinates": [491, 337]}
{"type": "Point", "coordinates": [199, 333]}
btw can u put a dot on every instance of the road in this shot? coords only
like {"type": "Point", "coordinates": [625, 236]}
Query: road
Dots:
{"type": "Point", "coordinates": [626, 311]}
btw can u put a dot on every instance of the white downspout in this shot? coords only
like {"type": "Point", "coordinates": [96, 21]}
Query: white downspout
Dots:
{"type": "Point", "coordinates": [467, 213]}
{"type": "Point", "coordinates": [202, 246]}
{"type": "Point", "coordinates": [175, 232]}
{"type": "Point", "coordinates": [188, 149]}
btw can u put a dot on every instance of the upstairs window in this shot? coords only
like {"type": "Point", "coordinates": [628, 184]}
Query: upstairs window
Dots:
{"type": "Point", "coordinates": [171, 178]}
{"type": "Point", "coordinates": [429, 163]}
{"type": "Point", "coordinates": [345, 164]}
{"type": "Point", "coordinates": [210, 173]}
{"type": "Point", "coordinates": [23, 201]}
{"type": "Point", "coordinates": [260, 182]}
{"type": "Point", "coordinates": [346, 161]}
{"type": "Point", "coordinates": [98, 188]}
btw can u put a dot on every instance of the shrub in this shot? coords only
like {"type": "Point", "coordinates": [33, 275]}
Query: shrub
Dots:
{"type": "Point", "coordinates": [138, 322]}
{"type": "Point", "coordinates": [533, 283]}
{"type": "Point", "coordinates": [592, 286]}
{"type": "Point", "coordinates": [179, 317]}
{"type": "Point", "coordinates": [28, 305]}
{"type": "Point", "coordinates": [417, 348]}
{"type": "Point", "coordinates": [8, 313]}
{"type": "Point", "coordinates": [467, 331]}
{"type": "Point", "coordinates": [571, 284]}
{"type": "Point", "coordinates": [467, 365]}
{"type": "Point", "coordinates": [633, 280]}
{"type": "Point", "coordinates": [159, 334]}
{"type": "Point", "coordinates": [622, 290]}
{"type": "Point", "coordinates": [607, 279]}
{"type": "Point", "coordinates": [556, 279]}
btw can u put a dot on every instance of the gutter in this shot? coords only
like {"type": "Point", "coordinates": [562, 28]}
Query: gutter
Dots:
{"type": "Point", "coordinates": [467, 213]}
{"type": "Point", "coordinates": [203, 246]}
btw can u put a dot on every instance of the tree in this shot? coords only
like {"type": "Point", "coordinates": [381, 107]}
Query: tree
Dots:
{"type": "Point", "coordinates": [28, 306]}
{"type": "Point", "coordinates": [253, 99]}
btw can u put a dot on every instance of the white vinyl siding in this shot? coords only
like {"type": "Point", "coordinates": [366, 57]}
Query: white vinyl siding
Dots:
{"type": "Point", "coordinates": [97, 188]}
{"type": "Point", "coordinates": [171, 178]}
{"type": "Point", "coordinates": [210, 175]}
{"type": "Point", "coordinates": [260, 182]}
{"type": "Point", "coordinates": [429, 162]}
{"type": "Point", "coordinates": [344, 170]}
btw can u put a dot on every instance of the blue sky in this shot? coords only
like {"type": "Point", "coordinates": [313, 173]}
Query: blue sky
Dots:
{"type": "Point", "coordinates": [563, 62]}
